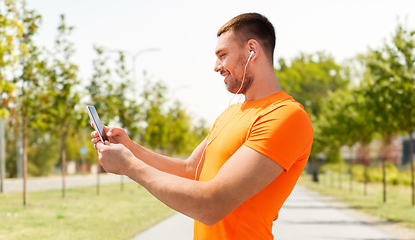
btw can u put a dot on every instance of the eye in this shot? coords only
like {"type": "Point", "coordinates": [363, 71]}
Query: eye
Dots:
{"type": "Point", "coordinates": [222, 55]}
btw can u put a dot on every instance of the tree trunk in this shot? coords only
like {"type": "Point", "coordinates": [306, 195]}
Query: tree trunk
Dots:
{"type": "Point", "coordinates": [411, 159]}
{"type": "Point", "coordinates": [63, 156]}
{"type": "Point", "coordinates": [351, 169]}
{"type": "Point", "coordinates": [340, 175]}
{"type": "Point", "coordinates": [385, 155]}
{"type": "Point", "coordinates": [384, 178]}
{"type": "Point", "coordinates": [366, 180]}
{"type": "Point", "coordinates": [24, 161]}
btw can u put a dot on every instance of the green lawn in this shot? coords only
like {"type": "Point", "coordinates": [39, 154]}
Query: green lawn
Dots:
{"type": "Point", "coordinates": [398, 207]}
{"type": "Point", "coordinates": [114, 214]}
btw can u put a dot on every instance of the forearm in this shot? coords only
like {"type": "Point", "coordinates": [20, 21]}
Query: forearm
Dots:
{"type": "Point", "coordinates": [166, 164]}
{"type": "Point", "coordinates": [197, 200]}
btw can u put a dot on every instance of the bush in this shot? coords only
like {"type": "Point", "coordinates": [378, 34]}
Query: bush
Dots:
{"type": "Point", "coordinates": [334, 168]}
{"type": "Point", "coordinates": [358, 172]}
{"type": "Point", "coordinates": [405, 178]}
{"type": "Point", "coordinates": [375, 174]}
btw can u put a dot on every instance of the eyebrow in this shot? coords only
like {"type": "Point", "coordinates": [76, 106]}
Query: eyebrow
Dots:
{"type": "Point", "coordinates": [218, 51]}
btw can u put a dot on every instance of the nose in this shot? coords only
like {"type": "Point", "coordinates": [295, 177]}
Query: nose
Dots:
{"type": "Point", "coordinates": [218, 66]}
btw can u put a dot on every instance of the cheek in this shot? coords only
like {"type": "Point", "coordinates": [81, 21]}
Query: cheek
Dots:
{"type": "Point", "coordinates": [227, 66]}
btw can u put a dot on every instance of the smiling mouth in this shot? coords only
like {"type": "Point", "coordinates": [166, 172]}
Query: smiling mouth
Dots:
{"type": "Point", "coordinates": [225, 75]}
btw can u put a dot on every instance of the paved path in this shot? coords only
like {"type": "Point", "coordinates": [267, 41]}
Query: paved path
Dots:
{"type": "Point", "coordinates": [305, 215]}
{"type": "Point", "coordinates": [51, 183]}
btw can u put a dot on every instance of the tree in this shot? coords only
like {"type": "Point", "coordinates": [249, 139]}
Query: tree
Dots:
{"type": "Point", "coordinates": [336, 122]}
{"type": "Point", "coordinates": [310, 78]}
{"type": "Point", "coordinates": [30, 93]}
{"type": "Point", "coordinates": [178, 130]}
{"type": "Point", "coordinates": [63, 111]}
{"type": "Point", "coordinates": [9, 31]}
{"type": "Point", "coordinates": [404, 67]}
{"type": "Point", "coordinates": [392, 89]}
{"type": "Point", "coordinates": [154, 108]}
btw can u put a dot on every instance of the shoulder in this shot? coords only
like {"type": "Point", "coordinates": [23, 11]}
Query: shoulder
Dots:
{"type": "Point", "coordinates": [287, 111]}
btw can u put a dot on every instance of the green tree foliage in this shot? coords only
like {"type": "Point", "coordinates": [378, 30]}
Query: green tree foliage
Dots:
{"type": "Point", "coordinates": [76, 139]}
{"type": "Point", "coordinates": [31, 89]}
{"type": "Point", "coordinates": [178, 130]}
{"type": "Point", "coordinates": [43, 152]}
{"type": "Point", "coordinates": [128, 108]}
{"type": "Point", "coordinates": [63, 111]}
{"type": "Point", "coordinates": [309, 79]}
{"type": "Point", "coordinates": [154, 111]}
{"type": "Point", "coordinates": [10, 30]}
{"type": "Point", "coordinates": [391, 89]}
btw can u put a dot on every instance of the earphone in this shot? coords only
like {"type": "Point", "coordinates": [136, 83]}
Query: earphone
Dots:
{"type": "Point", "coordinates": [214, 129]}
{"type": "Point", "coordinates": [243, 78]}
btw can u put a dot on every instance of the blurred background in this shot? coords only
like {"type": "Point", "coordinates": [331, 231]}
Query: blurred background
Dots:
{"type": "Point", "coordinates": [147, 66]}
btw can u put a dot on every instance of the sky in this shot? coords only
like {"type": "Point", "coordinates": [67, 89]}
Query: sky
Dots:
{"type": "Point", "coordinates": [184, 32]}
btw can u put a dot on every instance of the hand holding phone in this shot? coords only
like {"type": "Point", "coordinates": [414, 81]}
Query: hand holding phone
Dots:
{"type": "Point", "coordinates": [93, 115]}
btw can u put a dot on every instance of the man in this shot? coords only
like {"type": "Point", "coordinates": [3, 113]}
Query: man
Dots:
{"type": "Point", "coordinates": [235, 182]}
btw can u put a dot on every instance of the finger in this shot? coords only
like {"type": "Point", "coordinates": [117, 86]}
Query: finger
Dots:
{"type": "Point", "coordinates": [114, 131]}
{"type": "Point", "coordinates": [94, 134]}
{"type": "Point", "coordinates": [95, 140]}
{"type": "Point", "coordinates": [99, 146]}
{"type": "Point", "coordinates": [111, 131]}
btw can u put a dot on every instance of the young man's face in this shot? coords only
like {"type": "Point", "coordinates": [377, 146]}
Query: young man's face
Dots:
{"type": "Point", "coordinates": [230, 63]}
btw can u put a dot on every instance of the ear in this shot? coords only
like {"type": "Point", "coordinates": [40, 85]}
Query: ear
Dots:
{"type": "Point", "coordinates": [254, 46]}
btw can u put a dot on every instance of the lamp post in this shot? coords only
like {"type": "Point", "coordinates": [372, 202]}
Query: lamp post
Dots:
{"type": "Point", "coordinates": [134, 57]}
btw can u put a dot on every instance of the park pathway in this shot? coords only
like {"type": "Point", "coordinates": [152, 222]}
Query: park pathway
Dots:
{"type": "Point", "coordinates": [306, 215]}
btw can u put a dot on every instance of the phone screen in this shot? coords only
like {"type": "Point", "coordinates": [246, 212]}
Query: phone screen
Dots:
{"type": "Point", "coordinates": [93, 115]}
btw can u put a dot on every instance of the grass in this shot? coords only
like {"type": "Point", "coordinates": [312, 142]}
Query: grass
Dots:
{"type": "Point", "coordinates": [114, 214]}
{"type": "Point", "coordinates": [398, 207]}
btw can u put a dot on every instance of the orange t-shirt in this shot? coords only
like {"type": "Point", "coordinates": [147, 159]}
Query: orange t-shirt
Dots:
{"type": "Point", "coordinates": [276, 126]}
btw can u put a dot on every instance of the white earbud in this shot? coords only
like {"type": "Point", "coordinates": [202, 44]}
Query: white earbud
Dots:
{"type": "Point", "coordinates": [252, 53]}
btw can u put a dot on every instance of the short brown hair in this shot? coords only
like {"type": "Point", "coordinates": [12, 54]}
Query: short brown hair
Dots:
{"type": "Point", "coordinates": [252, 26]}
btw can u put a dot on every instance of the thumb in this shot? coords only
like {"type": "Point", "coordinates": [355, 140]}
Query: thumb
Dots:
{"type": "Point", "coordinates": [100, 146]}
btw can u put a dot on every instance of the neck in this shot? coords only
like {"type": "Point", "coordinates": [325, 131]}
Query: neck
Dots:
{"type": "Point", "coordinates": [265, 83]}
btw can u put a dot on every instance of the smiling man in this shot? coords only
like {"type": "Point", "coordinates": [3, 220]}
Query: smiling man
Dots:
{"type": "Point", "coordinates": [235, 182]}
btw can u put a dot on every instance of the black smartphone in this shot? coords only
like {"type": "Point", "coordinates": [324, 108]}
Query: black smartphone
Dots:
{"type": "Point", "coordinates": [93, 115]}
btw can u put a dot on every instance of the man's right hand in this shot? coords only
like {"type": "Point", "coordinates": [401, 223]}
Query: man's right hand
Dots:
{"type": "Point", "coordinates": [114, 134]}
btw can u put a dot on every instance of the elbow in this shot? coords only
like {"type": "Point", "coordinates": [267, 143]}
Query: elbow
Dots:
{"type": "Point", "coordinates": [215, 204]}
{"type": "Point", "coordinates": [214, 211]}
{"type": "Point", "coordinates": [211, 219]}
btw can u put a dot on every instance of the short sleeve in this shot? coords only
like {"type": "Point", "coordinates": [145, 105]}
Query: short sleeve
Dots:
{"type": "Point", "coordinates": [284, 134]}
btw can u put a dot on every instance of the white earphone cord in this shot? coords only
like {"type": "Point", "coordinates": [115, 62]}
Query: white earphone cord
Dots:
{"type": "Point", "coordinates": [213, 132]}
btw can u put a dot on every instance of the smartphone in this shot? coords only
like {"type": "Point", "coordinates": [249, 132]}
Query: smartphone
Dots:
{"type": "Point", "coordinates": [93, 115]}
